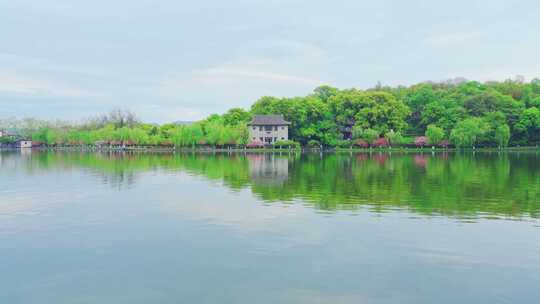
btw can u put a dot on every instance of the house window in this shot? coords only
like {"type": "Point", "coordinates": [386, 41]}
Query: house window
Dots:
{"type": "Point", "coordinates": [254, 138]}
{"type": "Point", "coordinates": [268, 128]}
{"type": "Point", "coordinates": [275, 128]}
{"type": "Point", "coordinates": [261, 139]}
{"type": "Point", "coordinates": [283, 138]}
{"type": "Point", "coordinates": [254, 128]}
{"type": "Point", "coordinates": [282, 128]}
{"type": "Point", "coordinates": [260, 128]}
{"type": "Point", "coordinates": [275, 139]}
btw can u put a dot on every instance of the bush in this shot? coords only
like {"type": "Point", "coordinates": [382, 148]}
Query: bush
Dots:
{"type": "Point", "coordinates": [314, 143]}
{"type": "Point", "coordinates": [344, 144]}
{"type": "Point", "coordinates": [381, 142]}
{"type": "Point", "coordinates": [408, 140]}
{"type": "Point", "coordinates": [421, 141]}
{"type": "Point", "coordinates": [286, 144]}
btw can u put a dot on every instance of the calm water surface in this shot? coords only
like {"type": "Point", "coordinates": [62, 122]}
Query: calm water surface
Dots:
{"type": "Point", "coordinates": [360, 228]}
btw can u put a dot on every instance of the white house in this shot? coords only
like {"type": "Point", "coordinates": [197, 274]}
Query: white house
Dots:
{"type": "Point", "coordinates": [23, 144]}
{"type": "Point", "coordinates": [268, 129]}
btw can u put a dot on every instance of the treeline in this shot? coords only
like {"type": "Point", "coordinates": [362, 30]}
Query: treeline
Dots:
{"type": "Point", "coordinates": [115, 130]}
{"type": "Point", "coordinates": [458, 112]}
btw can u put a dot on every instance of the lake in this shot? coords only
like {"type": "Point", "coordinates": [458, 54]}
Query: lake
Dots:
{"type": "Point", "coordinates": [269, 228]}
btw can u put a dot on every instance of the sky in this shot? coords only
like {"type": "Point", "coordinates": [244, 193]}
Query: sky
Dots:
{"type": "Point", "coordinates": [176, 60]}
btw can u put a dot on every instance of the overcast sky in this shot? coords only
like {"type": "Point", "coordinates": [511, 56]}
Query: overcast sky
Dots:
{"type": "Point", "coordinates": [182, 60]}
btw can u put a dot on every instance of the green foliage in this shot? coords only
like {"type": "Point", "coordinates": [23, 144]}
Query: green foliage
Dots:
{"type": "Point", "coordinates": [502, 135]}
{"type": "Point", "coordinates": [187, 136]}
{"type": "Point", "coordinates": [344, 144]}
{"type": "Point", "coordinates": [236, 116]}
{"type": "Point", "coordinates": [286, 144]}
{"type": "Point", "coordinates": [467, 132]}
{"type": "Point", "coordinates": [310, 117]}
{"type": "Point", "coordinates": [6, 140]}
{"type": "Point", "coordinates": [395, 138]}
{"type": "Point", "coordinates": [528, 125]}
{"type": "Point", "coordinates": [324, 92]}
{"type": "Point", "coordinates": [314, 143]}
{"type": "Point", "coordinates": [369, 135]}
{"type": "Point", "coordinates": [434, 134]}
{"type": "Point", "coordinates": [454, 108]}
{"type": "Point", "coordinates": [369, 110]}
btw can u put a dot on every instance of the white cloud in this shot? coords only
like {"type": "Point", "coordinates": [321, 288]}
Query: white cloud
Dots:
{"type": "Point", "coordinates": [451, 39]}
{"type": "Point", "coordinates": [227, 73]}
{"type": "Point", "coordinates": [216, 89]}
{"type": "Point", "coordinates": [14, 84]}
{"type": "Point", "coordinates": [168, 113]}
{"type": "Point", "coordinates": [208, 56]}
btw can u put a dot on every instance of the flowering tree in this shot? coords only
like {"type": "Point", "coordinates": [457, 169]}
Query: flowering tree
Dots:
{"type": "Point", "coordinates": [255, 144]}
{"type": "Point", "coordinates": [381, 142]}
{"type": "Point", "coordinates": [444, 143]}
{"type": "Point", "coordinates": [420, 141]}
{"type": "Point", "coordinates": [361, 143]}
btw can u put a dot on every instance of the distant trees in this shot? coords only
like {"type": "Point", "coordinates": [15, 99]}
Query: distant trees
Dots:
{"type": "Point", "coordinates": [463, 113]}
{"type": "Point", "coordinates": [123, 129]}
{"type": "Point", "coordinates": [118, 117]}
{"type": "Point", "coordinates": [236, 116]}
{"type": "Point", "coordinates": [380, 111]}
{"type": "Point", "coordinates": [187, 136]}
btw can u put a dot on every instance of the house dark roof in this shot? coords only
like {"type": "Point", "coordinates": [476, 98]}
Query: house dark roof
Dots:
{"type": "Point", "coordinates": [268, 120]}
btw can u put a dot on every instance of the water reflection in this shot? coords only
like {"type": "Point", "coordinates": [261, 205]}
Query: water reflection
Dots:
{"type": "Point", "coordinates": [451, 184]}
{"type": "Point", "coordinates": [268, 169]}
{"type": "Point", "coordinates": [150, 228]}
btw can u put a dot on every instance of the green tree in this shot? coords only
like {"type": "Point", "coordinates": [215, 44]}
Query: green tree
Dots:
{"type": "Point", "coordinates": [236, 116]}
{"type": "Point", "coordinates": [502, 135]}
{"type": "Point", "coordinates": [434, 134]}
{"type": "Point", "coordinates": [529, 125]}
{"type": "Point", "coordinates": [467, 132]}
{"type": "Point", "coordinates": [374, 110]}
{"type": "Point", "coordinates": [369, 135]}
{"type": "Point", "coordinates": [324, 92]}
{"type": "Point", "coordinates": [395, 138]}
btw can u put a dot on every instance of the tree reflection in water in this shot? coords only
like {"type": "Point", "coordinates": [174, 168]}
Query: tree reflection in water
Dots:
{"type": "Point", "coordinates": [451, 184]}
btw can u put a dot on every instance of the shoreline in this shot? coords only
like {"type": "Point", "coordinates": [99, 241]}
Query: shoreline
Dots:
{"type": "Point", "coordinates": [173, 150]}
